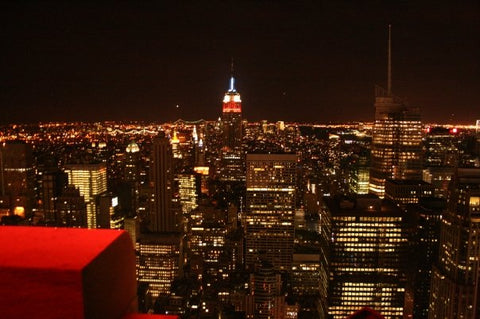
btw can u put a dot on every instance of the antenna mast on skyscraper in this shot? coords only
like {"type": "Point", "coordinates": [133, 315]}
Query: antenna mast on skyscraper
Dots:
{"type": "Point", "coordinates": [389, 68]}
{"type": "Point", "coordinates": [232, 79]}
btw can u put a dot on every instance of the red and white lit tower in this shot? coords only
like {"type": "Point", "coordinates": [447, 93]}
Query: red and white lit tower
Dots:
{"type": "Point", "coordinates": [232, 167]}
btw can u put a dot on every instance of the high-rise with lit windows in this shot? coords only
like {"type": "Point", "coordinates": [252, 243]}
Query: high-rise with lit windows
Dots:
{"type": "Point", "coordinates": [396, 151]}
{"type": "Point", "coordinates": [368, 263]}
{"type": "Point", "coordinates": [455, 285]}
{"type": "Point", "coordinates": [91, 180]}
{"type": "Point", "coordinates": [270, 216]}
{"type": "Point", "coordinates": [159, 261]}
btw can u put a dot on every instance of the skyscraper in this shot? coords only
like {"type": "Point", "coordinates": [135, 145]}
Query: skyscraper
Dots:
{"type": "Point", "coordinates": [91, 180]}
{"type": "Point", "coordinates": [455, 285]}
{"type": "Point", "coordinates": [160, 252]}
{"type": "Point", "coordinates": [269, 220]}
{"type": "Point", "coordinates": [129, 191]}
{"type": "Point", "coordinates": [163, 217]}
{"type": "Point", "coordinates": [397, 137]}
{"type": "Point", "coordinates": [159, 261]}
{"type": "Point", "coordinates": [428, 214]}
{"type": "Point", "coordinates": [132, 159]}
{"type": "Point", "coordinates": [232, 157]}
{"type": "Point", "coordinates": [368, 256]}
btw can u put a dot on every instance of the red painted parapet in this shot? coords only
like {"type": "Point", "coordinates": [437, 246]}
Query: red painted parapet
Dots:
{"type": "Point", "coordinates": [366, 313]}
{"type": "Point", "coordinates": [143, 316]}
{"type": "Point", "coordinates": [66, 273]}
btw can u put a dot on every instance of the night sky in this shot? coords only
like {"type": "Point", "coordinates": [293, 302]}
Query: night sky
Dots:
{"type": "Point", "coordinates": [294, 60]}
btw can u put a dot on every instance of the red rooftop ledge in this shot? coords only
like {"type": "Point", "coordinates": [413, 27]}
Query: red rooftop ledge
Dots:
{"type": "Point", "coordinates": [67, 273]}
{"type": "Point", "coordinates": [366, 313]}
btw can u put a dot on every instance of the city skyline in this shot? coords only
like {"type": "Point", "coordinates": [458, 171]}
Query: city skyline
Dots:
{"type": "Point", "coordinates": [86, 62]}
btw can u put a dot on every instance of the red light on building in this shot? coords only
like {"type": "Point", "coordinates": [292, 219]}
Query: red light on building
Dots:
{"type": "Point", "coordinates": [232, 103]}
{"type": "Point", "coordinates": [149, 316]}
{"type": "Point", "coordinates": [366, 313]}
{"type": "Point", "coordinates": [232, 107]}
{"type": "Point", "coordinates": [454, 130]}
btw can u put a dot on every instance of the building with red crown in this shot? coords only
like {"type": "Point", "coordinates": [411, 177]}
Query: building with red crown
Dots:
{"type": "Point", "coordinates": [232, 158]}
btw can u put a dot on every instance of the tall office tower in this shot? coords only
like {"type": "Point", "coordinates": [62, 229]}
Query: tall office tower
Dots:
{"type": "Point", "coordinates": [53, 183]}
{"type": "Point", "coordinates": [91, 180]}
{"type": "Point", "coordinates": [232, 165]}
{"type": "Point", "coordinates": [162, 217]}
{"type": "Point", "coordinates": [441, 147]}
{"type": "Point", "coordinates": [270, 216]}
{"type": "Point", "coordinates": [455, 287]}
{"type": "Point", "coordinates": [17, 176]}
{"type": "Point", "coordinates": [128, 189]}
{"type": "Point", "coordinates": [442, 155]}
{"type": "Point", "coordinates": [132, 163]}
{"type": "Point", "coordinates": [70, 208]}
{"type": "Point", "coordinates": [368, 256]}
{"type": "Point", "coordinates": [397, 138]}
{"type": "Point", "coordinates": [428, 213]}
{"type": "Point", "coordinates": [159, 261]}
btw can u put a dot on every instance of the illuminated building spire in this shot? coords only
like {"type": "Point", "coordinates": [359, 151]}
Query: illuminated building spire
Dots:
{"type": "Point", "coordinates": [232, 79]}
{"type": "Point", "coordinates": [194, 134]}
{"type": "Point", "coordinates": [232, 85]}
{"type": "Point", "coordinates": [232, 100]}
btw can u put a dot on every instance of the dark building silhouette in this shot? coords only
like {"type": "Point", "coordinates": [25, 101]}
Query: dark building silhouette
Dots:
{"type": "Point", "coordinates": [17, 177]}
{"type": "Point", "coordinates": [428, 214]}
{"type": "Point", "coordinates": [162, 216]}
{"type": "Point", "coordinates": [70, 208]}
{"type": "Point", "coordinates": [53, 183]}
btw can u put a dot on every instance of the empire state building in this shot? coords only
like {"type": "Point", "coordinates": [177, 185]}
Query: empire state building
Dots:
{"type": "Point", "coordinates": [232, 158]}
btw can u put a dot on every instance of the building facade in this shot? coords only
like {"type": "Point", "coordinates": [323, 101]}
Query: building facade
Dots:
{"type": "Point", "coordinates": [162, 216]}
{"type": "Point", "coordinates": [159, 261]}
{"type": "Point", "coordinates": [232, 157]}
{"type": "Point", "coordinates": [270, 216]}
{"type": "Point", "coordinates": [455, 278]}
{"type": "Point", "coordinates": [368, 256]}
{"type": "Point", "coordinates": [91, 180]}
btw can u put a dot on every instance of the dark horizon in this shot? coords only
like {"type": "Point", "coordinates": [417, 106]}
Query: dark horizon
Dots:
{"type": "Point", "coordinates": [294, 61]}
